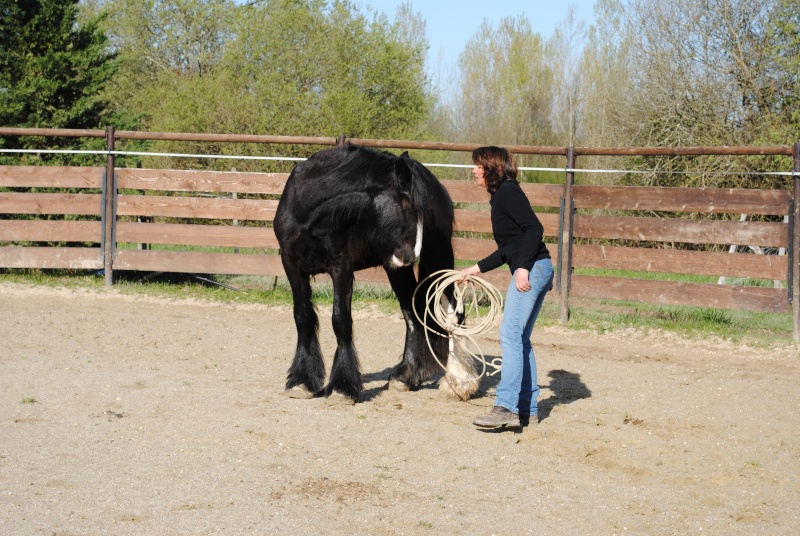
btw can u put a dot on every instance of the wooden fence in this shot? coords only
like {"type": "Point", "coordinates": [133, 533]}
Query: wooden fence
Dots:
{"type": "Point", "coordinates": [206, 222]}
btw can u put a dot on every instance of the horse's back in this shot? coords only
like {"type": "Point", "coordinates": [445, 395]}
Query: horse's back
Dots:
{"type": "Point", "coordinates": [330, 192]}
{"type": "Point", "coordinates": [320, 163]}
{"type": "Point", "coordinates": [335, 172]}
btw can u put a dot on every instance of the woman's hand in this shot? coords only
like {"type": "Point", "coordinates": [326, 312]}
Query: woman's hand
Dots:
{"type": "Point", "coordinates": [521, 280]}
{"type": "Point", "coordinates": [472, 270]}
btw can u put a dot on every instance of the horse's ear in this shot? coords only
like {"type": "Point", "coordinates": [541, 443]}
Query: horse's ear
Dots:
{"type": "Point", "coordinates": [402, 174]}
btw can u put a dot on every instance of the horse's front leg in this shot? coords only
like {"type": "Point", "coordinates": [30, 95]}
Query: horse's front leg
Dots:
{"type": "Point", "coordinates": [417, 363]}
{"type": "Point", "coordinates": [307, 372]}
{"type": "Point", "coordinates": [345, 372]}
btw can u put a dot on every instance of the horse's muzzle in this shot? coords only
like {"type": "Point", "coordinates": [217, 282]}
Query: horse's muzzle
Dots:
{"type": "Point", "coordinates": [405, 260]}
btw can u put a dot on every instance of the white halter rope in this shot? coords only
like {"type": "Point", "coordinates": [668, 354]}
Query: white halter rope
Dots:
{"type": "Point", "coordinates": [467, 295]}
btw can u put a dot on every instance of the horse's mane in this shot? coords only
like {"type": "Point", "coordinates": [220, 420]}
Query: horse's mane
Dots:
{"type": "Point", "coordinates": [423, 185]}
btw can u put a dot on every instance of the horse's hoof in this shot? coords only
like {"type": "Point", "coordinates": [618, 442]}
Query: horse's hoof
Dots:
{"type": "Point", "coordinates": [397, 385]}
{"type": "Point", "coordinates": [457, 389]}
{"type": "Point", "coordinates": [299, 391]}
{"type": "Point", "coordinates": [338, 399]}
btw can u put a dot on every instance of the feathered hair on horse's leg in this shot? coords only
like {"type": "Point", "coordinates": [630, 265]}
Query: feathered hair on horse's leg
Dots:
{"type": "Point", "coordinates": [424, 354]}
{"type": "Point", "coordinates": [306, 374]}
{"type": "Point", "coordinates": [432, 363]}
{"type": "Point", "coordinates": [412, 371]}
{"type": "Point", "coordinates": [407, 374]}
{"type": "Point", "coordinates": [346, 371]}
{"type": "Point", "coordinates": [345, 375]}
{"type": "Point", "coordinates": [460, 380]}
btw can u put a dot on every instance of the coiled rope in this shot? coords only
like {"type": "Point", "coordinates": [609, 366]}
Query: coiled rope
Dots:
{"type": "Point", "coordinates": [468, 295]}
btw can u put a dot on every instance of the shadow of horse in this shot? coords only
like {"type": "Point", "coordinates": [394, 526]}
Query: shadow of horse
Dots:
{"type": "Point", "coordinates": [566, 386]}
{"type": "Point", "coordinates": [384, 376]}
{"type": "Point", "coordinates": [372, 393]}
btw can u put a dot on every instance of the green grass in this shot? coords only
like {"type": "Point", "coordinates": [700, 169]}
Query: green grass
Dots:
{"type": "Point", "coordinates": [598, 316]}
{"type": "Point", "coordinates": [603, 316]}
{"type": "Point", "coordinates": [236, 289]}
{"type": "Point", "coordinates": [198, 249]}
{"type": "Point", "coordinates": [684, 278]}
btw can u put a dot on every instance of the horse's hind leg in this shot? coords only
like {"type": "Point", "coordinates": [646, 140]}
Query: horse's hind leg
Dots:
{"type": "Point", "coordinates": [307, 372]}
{"type": "Point", "coordinates": [345, 372]}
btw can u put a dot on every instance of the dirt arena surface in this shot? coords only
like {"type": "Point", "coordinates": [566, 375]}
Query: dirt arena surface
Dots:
{"type": "Point", "coordinates": [123, 415]}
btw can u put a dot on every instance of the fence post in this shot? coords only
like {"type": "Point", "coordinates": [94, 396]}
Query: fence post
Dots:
{"type": "Point", "coordinates": [565, 240]}
{"type": "Point", "coordinates": [109, 212]}
{"type": "Point", "coordinates": [794, 269]}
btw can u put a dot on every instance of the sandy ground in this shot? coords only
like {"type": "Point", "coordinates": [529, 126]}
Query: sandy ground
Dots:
{"type": "Point", "coordinates": [130, 415]}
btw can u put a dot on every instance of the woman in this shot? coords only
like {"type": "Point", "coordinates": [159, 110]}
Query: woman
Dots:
{"type": "Point", "coordinates": [518, 234]}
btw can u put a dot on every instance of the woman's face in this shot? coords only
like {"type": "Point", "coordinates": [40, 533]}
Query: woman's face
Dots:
{"type": "Point", "coordinates": [480, 180]}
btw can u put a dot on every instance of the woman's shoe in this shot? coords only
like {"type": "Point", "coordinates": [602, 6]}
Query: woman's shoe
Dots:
{"type": "Point", "coordinates": [497, 418]}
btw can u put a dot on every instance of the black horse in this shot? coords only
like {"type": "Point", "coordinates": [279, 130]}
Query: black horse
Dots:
{"type": "Point", "coordinates": [349, 208]}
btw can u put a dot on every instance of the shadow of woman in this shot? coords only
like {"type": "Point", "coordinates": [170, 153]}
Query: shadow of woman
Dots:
{"type": "Point", "coordinates": [566, 387]}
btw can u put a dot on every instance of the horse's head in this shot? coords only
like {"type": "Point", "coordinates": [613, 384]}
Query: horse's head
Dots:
{"type": "Point", "coordinates": [399, 226]}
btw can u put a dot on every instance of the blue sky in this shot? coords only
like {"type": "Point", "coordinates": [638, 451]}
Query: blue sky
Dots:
{"type": "Point", "coordinates": [450, 23]}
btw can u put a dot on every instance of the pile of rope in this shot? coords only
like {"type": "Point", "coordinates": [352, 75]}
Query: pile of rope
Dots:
{"type": "Point", "coordinates": [468, 295]}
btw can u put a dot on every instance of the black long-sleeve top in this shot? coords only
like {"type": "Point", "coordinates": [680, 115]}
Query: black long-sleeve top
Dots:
{"type": "Point", "coordinates": [517, 230]}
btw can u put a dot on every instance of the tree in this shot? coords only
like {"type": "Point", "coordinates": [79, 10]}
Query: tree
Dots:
{"type": "Point", "coordinates": [784, 112]}
{"type": "Point", "coordinates": [362, 78]}
{"type": "Point", "coordinates": [505, 86]}
{"type": "Point", "coordinates": [52, 69]}
{"type": "Point", "coordinates": [711, 73]}
{"type": "Point", "coordinates": [606, 82]}
{"type": "Point", "coordinates": [605, 87]}
{"type": "Point", "coordinates": [286, 67]}
{"type": "Point", "coordinates": [564, 46]}
{"type": "Point", "coordinates": [169, 52]}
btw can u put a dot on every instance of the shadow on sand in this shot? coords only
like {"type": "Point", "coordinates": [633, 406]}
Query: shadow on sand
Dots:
{"type": "Point", "coordinates": [566, 386]}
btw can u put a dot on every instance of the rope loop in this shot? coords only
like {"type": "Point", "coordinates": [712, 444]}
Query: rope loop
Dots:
{"type": "Point", "coordinates": [468, 295]}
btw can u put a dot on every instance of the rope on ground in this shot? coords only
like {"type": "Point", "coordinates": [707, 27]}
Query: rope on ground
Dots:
{"type": "Point", "coordinates": [468, 295]}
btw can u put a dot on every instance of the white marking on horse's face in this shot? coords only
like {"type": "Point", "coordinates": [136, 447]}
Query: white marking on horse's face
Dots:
{"type": "Point", "coordinates": [396, 261]}
{"type": "Point", "coordinates": [418, 244]}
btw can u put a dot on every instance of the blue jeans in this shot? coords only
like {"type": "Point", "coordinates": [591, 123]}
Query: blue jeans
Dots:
{"type": "Point", "coordinates": [518, 389]}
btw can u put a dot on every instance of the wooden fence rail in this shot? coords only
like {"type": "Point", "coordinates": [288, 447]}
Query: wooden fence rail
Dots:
{"type": "Point", "coordinates": [208, 222]}
{"type": "Point", "coordinates": [146, 214]}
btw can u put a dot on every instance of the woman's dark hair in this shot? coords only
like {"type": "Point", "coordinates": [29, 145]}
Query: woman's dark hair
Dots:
{"type": "Point", "coordinates": [498, 165]}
